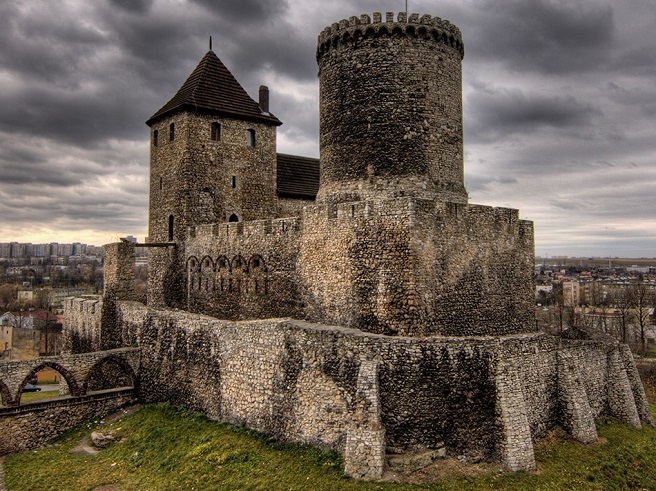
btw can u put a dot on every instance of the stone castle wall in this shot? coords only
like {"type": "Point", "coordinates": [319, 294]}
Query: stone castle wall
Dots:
{"type": "Point", "coordinates": [479, 397]}
{"type": "Point", "coordinates": [196, 180]}
{"type": "Point", "coordinates": [393, 266]}
{"type": "Point", "coordinates": [201, 180]}
{"type": "Point", "coordinates": [244, 270]}
{"type": "Point", "coordinates": [33, 426]}
{"type": "Point", "coordinates": [418, 267]}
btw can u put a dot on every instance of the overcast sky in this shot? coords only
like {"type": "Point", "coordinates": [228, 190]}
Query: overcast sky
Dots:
{"type": "Point", "coordinates": [559, 106]}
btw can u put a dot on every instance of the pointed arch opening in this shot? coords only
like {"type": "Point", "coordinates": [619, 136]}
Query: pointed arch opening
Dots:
{"type": "Point", "coordinates": [47, 381]}
{"type": "Point", "coordinates": [109, 373]}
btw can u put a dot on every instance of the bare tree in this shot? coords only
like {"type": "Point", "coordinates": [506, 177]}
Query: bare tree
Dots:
{"type": "Point", "coordinates": [642, 302]}
{"type": "Point", "coordinates": [622, 300]}
{"type": "Point", "coordinates": [560, 309]}
{"type": "Point", "coordinates": [8, 296]}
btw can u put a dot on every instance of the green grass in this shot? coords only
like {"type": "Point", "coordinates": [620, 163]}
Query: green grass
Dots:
{"type": "Point", "coordinates": [38, 396]}
{"type": "Point", "coordinates": [168, 448]}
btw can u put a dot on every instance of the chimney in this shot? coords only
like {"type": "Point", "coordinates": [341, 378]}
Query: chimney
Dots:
{"type": "Point", "coordinates": [264, 98]}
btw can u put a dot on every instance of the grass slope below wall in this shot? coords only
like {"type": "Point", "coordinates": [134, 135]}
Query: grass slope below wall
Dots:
{"type": "Point", "coordinates": [167, 448]}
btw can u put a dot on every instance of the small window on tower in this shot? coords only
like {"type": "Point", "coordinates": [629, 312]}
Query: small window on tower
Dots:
{"type": "Point", "coordinates": [171, 132]}
{"type": "Point", "coordinates": [250, 137]}
{"type": "Point", "coordinates": [234, 182]}
{"type": "Point", "coordinates": [155, 134]}
{"type": "Point", "coordinates": [216, 131]}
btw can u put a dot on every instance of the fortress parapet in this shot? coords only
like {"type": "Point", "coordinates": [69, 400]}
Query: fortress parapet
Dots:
{"type": "Point", "coordinates": [424, 26]}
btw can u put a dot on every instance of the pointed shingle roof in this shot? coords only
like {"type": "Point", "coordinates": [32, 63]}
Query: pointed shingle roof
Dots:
{"type": "Point", "coordinates": [211, 88]}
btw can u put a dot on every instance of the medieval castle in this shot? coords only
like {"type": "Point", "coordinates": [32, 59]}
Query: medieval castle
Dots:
{"type": "Point", "coordinates": [358, 302]}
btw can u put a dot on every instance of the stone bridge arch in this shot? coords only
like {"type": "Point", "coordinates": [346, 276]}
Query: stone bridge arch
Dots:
{"type": "Point", "coordinates": [124, 366]}
{"type": "Point", "coordinates": [73, 386]}
{"type": "Point", "coordinates": [75, 368]}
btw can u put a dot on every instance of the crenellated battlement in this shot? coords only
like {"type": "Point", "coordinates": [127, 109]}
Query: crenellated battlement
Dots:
{"type": "Point", "coordinates": [426, 27]}
{"type": "Point", "coordinates": [473, 218]}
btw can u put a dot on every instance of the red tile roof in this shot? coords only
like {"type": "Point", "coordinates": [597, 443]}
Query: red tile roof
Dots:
{"type": "Point", "coordinates": [211, 88]}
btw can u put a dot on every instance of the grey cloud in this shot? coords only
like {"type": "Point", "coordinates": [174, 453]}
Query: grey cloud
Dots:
{"type": "Point", "coordinates": [545, 36]}
{"type": "Point", "coordinates": [137, 6]}
{"type": "Point", "coordinates": [246, 12]}
{"type": "Point", "coordinates": [562, 127]}
{"type": "Point", "coordinates": [500, 113]}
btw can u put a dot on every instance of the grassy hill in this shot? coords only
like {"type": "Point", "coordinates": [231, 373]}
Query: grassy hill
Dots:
{"type": "Point", "coordinates": [167, 448]}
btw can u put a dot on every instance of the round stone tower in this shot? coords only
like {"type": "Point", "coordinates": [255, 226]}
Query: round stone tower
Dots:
{"type": "Point", "coordinates": [391, 109]}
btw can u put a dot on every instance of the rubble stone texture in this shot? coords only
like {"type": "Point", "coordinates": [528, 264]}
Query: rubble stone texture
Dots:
{"type": "Point", "coordinates": [387, 317]}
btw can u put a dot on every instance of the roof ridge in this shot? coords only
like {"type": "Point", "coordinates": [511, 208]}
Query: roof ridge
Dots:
{"type": "Point", "coordinates": [211, 87]}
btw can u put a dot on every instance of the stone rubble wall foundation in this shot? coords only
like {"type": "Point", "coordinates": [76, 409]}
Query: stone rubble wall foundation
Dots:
{"type": "Point", "coordinates": [481, 398]}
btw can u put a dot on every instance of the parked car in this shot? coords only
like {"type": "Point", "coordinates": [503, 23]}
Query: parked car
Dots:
{"type": "Point", "coordinates": [31, 388]}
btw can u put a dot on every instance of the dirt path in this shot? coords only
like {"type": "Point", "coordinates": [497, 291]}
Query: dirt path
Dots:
{"type": "Point", "coordinates": [85, 447]}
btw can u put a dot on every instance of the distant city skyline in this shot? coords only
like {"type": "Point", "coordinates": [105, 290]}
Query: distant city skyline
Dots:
{"type": "Point", "coordinates": [559, 106]}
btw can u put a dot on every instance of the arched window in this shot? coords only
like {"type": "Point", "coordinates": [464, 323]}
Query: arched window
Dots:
{"type": "Point", "coordinates": [171, 132]}
{"type": "Point", "coordinates": [170, 227]}
{"type": "Point", "coordinates": [216, 131]}
{"type": "Point", "coordinates": [155, 135]}
{"type": "Point", "coordinates": [233, 218]}
{"type": "Point", "coordinates": [250, 137]}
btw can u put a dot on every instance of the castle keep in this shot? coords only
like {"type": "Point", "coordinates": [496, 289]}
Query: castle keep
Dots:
{"type": "Point", "coordinates": [358, 302]}
{"type": "Point", "coordinates": [390, 246]}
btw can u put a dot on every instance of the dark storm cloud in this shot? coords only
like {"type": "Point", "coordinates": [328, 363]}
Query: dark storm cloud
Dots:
{"type": "Point", "coordinates": [137, 6]}
{"type": "Point", "coordinates": [545, 36]}
{"type": "Point", "coordinates": [559, 101]}
{"type": "Point", "coordinates": [497, 113]}
{"type": "Point", "coordinates": [246, 12]}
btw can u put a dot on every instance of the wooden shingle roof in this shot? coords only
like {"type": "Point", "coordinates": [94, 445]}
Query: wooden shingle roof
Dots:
{"type": "Point", "coordinates": [211, 88]}
{"type": "Point", "coordinates": [298, 177]}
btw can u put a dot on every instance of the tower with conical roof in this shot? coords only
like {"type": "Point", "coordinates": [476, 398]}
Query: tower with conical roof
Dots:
{"type": "Point", "coordinates": [212, 160]}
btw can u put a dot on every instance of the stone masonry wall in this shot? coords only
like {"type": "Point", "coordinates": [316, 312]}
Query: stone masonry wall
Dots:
{"type": "Point", "coordinates": [416, 267]}
{"type": "Point", "coordinates": [118, 270]}
{"type": "Point", "coordinates": [479, 397]}
{"type": "Point", "coordinates": [82, 324]}
{"type": "Point", "coordinates": [399, 266]}
{"type": "Point", "coordinates": [196, 180]}
{"type": "Point", "coordinates": [391, 109]}
{"type": "Point", "coordinates": [27, 427]}
{"type": "Point", "coordinates": [244, 270]}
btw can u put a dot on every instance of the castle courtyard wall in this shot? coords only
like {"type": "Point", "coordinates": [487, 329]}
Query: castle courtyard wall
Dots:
{"type": "Point", "coordinates": [480, 398]}
{"type": "Point", "coordinates": [244, 270]}
{"type": "Point", "coordinates": [403, 266]}
{"type": "Point", "coordinates": [417, 267]}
